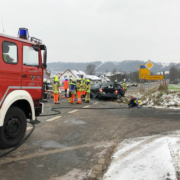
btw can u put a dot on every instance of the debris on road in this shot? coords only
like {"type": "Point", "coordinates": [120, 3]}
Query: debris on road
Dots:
{"type": "Point", "coordinates": [152, 157]}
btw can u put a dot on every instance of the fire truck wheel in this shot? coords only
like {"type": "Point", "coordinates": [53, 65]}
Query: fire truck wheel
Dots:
{"type": "Point", "coordinates": [14, 128]}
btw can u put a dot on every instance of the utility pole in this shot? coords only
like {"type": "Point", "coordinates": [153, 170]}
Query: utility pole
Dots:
{"type": "Point", "coordinates": [166, 86]}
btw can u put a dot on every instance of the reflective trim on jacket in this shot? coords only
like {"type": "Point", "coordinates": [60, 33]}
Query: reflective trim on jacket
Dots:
{"type": "Point", "coordinates": [56, 86]}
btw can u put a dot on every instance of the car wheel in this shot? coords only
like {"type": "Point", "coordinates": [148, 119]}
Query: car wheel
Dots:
{"type": "Point", "coordinates": [99, 97]}
{"type": "Point", "coordinates": [14, 128]}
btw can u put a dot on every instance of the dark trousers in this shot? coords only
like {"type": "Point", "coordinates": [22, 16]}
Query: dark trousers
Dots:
{"type": "Point", "coordinates": [65, 92]}
{"type": "Point", "coordinates": [132, 103]}
{"type": "Point", "coordinates": [69, 94]}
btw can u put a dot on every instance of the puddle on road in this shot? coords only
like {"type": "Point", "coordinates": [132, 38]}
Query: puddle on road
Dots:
{"type": "Point", "coordinates": [72, 121]}
{"type": "Point", "coordinates": [47, 144]}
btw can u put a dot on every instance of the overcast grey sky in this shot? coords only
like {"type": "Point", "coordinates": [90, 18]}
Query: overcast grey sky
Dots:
{"type": "Point", "coordinates": [99, 30]}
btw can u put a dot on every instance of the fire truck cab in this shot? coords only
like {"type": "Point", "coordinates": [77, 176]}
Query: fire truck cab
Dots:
{"type": "Point", "coordinates": [21, 84]}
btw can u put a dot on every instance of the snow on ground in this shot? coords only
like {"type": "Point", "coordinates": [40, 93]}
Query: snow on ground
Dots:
{"type": "Point", "coordinates": [159, 99]}
{"type": "Point", "coordinates": [147, 158]}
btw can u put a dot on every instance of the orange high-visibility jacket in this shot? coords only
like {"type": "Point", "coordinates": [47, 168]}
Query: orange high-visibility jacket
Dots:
{"type": "Point", "coordinates": [65, 84]}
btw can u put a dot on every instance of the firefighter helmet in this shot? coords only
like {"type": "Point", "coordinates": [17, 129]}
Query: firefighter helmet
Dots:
{"type": "Point", "coordinates": [56, 79]}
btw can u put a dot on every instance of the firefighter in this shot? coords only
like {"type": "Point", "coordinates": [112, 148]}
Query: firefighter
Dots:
{"type": "Point", "coordinates": [73, 90]}
{"type": "Point", "coordinates": [88, 91]}
{"type": "Point", "coordinates": [134, 102]}
{"type": "Point", "coordinates": [66, 87]}
{"type": "Point", "coordinates": [124, 85]}
{"type": "Point", "coordinates": [79, 90]}
{"type": "Point", "coordinates": [83, 89]}
{"type": "Point", "coordinates": [6, 57]}
{"type": "Point", "coordinates": [56, 86]}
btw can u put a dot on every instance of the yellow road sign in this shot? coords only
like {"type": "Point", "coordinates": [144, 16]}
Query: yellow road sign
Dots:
{"type": "Point", "coordinates": [149, 65]}
{"type": "Point", "coordinates": [154, 77]}
{"type": "Point", "coordinates": [143, 71]}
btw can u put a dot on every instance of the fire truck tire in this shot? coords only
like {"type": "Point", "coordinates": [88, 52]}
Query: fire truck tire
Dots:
{"type": "Point", "coordinates": [14, 128]}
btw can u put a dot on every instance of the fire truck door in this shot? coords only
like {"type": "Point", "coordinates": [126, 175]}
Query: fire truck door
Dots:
{"type": "Point", "coordinates": [31, 71]}
{"type": "Point", "coordinates": [10, 67]}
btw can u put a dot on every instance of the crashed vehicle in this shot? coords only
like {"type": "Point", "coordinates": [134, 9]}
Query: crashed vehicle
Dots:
{"type": "Point", "coordinates": [104, 90]}
{"type": "Point", "coordinates": [95, 90]}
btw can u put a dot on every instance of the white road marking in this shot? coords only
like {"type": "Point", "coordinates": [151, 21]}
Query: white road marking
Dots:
{"type": "Point", "coordinates": [85, 106]}
{"type": "Point", "coordinates": [28, 128]}
{"type": "Point", "coordinates": [96, 102]}
{"type": "Point", "coordinates": [73, 111]}
{"type": "Point", "coordinates": [54, 118]}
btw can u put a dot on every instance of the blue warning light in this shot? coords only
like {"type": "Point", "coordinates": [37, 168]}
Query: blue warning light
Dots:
{"type": "Point", "coordinates": [23, 33]}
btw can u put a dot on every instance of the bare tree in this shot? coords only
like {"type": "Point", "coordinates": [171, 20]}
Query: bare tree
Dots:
{"type": "Point", "coordinates": [90, 69]}
{"type": "Point", "coordinates": [114, 71]}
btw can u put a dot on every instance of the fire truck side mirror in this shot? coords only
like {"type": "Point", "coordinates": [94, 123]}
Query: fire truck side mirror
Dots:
{"type": "Point", "coordinates": [44, 64]}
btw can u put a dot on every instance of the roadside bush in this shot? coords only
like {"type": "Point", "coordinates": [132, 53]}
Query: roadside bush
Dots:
{"type": "Point", "coordinates": [163, 87]}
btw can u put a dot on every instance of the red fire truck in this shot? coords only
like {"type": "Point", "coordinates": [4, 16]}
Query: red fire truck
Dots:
{"type": "Point", "coordinates": [21, 84]}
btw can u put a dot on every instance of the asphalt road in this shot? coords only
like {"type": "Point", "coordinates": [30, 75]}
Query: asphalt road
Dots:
{"type": "Point", "coordinates": [67, 146]}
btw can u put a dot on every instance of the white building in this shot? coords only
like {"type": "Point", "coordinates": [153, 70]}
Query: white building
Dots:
{"type": "Point", "coordinates": [72, 74]}
{"type": "Point", "coordinates": [93, 79]}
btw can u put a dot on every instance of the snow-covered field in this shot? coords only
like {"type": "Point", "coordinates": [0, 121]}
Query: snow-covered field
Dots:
{"type": "Point", "coordinates": [146, 158]}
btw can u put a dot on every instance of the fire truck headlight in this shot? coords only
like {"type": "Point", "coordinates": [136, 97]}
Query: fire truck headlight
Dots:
{"type": "Point", "coordinates": [23, 33]}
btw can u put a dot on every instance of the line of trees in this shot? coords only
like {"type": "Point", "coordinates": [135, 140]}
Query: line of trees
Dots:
{"type": "Point", "coordinates": [174, 74]}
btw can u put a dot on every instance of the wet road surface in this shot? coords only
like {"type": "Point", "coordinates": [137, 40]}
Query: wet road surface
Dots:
{"type": "Point", "coordinates": [66, 146]}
